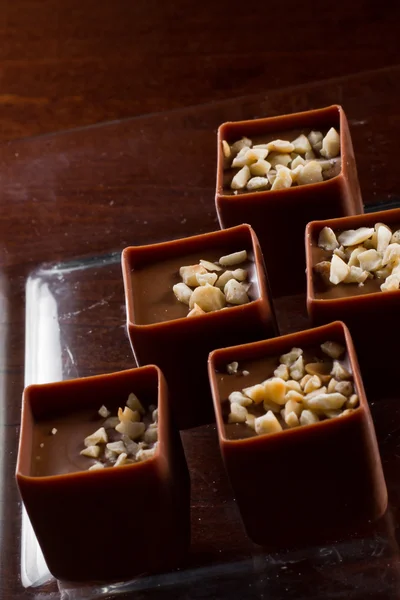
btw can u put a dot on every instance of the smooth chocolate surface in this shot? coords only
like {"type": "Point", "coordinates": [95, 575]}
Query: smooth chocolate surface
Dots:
{"type": "Point", "coordinates": [152, 284]}
{"type": "Point", "coordinates": [74, 512]}
{"type": "Point", "coordinates": [299, 477]}
{"type": "Point", "coordinates": [180, 347]}
{"type": "Point", "coordinates": [279, 217]}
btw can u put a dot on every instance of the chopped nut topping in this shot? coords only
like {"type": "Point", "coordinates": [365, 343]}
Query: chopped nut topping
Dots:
{"type": "Point", "coordinates": [352, 237]}
{"type": "Point", "coordinates": [53, 431]}
{"type": "Point", "coordinates": [233, 259]}
{"type": "Point", "coordinates": [226, 149]}
{"type": "Point", "coordinates": [133, 430]}
{"type": "Point", "coordinates": [111, 423]}
{"type": "Point", "coordinates": [256, 183]}
{"type": "Point", "coordinates": [241, 178]}
{"type": "Point", "coordinates": [91, 451]}
{"type": "Point", "coordinates": [325, 392]}
{"type": "Point", "coordinates": [235, 292]}
{"type": "Point", "coordinates": [331, 144]}
{"type": "Point", "coordinates": [383, 235]}
{"type": "Point", "coordinates": [210, 266]}
{"type": "Point", "coordinates": [327, 239]}
{"type": "Point", "coordinates": [96, 466]}
{"type": "Point", "coordinates": [391, 284]}
{"type": "Point", "coordinates": [98, 437]}
{"type": "Point", "coordinates": [280, 146]}
{"type": "Point", "coordinates": [121, 460]}
{"type": "Point", "coordinates": [310, 173]}
{"type": "Point", "coordinates": [196, 311]}
{"type": "Point", "coordinates": [116, 447]}
{"type": "Point", "coordinates": [182, 292]}
{"type": "Point", "coordinates": [203, 278]}
{"type": "Point", "coordinates": [208, 298]}
{"type": "Point", "coordinates": [232, 367]}
{"type": "Point", "coordinates": [238, 413]}
{"type": "Point", "coordinates": [278, 160]}
{"type": "Point", "coordinates": [282, 180]}
{"type": "Point", "coordinates": [260, 169]}
{"type": "Point", "coordinates": [145, 454]}
{"type": "Point", "coordinates": [267, 423]}
{"type": "Point", "coordinates": [370, 260]}
{"type": "Point", "coordinates": [301, 144]}
{"type": "Point", "coordinates": [333, 349]}
{"type": "Point", "coordinates": [243, 143]}
{"type": "Point", "coordinates": [104, 412]}
{"type": "Point", "coordinates": [315, 138]}
{"type": "Point", "coordinates": [189, 274]}
{"type": "Point", "coordinates": [339, 270]}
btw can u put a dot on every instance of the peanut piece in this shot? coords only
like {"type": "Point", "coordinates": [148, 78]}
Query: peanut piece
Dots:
{"type": "Point", "coordinates": [395, 239]}
{"type": "Point", "coordinates": [339, 270]}
{"type": "Point", "coordinates": [357, 275]}
{"type": "Point", "coordinates": [210, 266]}
{"type": "Point", "coordinates": [260, 168]}
{"type": "Point", "coordinates": [226, 149]}
{"type": "Point", "coordinates": [196, 311]}
{"type": "Point", "coordinates": [96, 466]}
{"type": "Point", "coordinates": [91, 451]}
{"type": "Point", "coordinates": [133, 430]}
{"type": "Point", "coordinates": [116, 447]}
{"type": "Point", "coordinates": [240, 398]}
{"type": "Point", "coordinates": [392, 253]}
{"type": "Point", "coordinates": [267, 424]}
{"type": "Point", "coordinates": [383, 235]}
{"type": "Point", "coordinates": [151, 435]}
{"type": "Point", "coordinates": [269, 405]}
{"type": "Point", "coordinates": [291, 384]}
{"type": "Point", "coordinates": [257, 183]}
{"type": "Point", "coordinates": [326, 401]}
{"type": "Point", "coordinates": [238, 413]}
{"type": "Point", "coordinates": [304, 380]}
{"type": "Point", "coordinates": [292, 420]}
{"type": "Point", "coordinates": [282, 371]}
{"type": "Point", "coordinates": [280, 146]}
{"type": "Point", "coordinates": [240, 144]}
{"type": "Point", "coordinates": [301, 144]}
{"type": "Point", "coordinates": [203, 278]}
{"type": "Point", "coordinates": [128, 414]}
{"type": "Point", "coordinates": [297, 162]}
{"type": "Point", "coordinates": [392, 283]}
{"type": "Point", "coordinates": [370, 260]}
{"type": "Point", "coordinates": [111, 423]}
{"type": "Point", "coordinates": [290, 358]}
{"type": "Point", "coordinates": [310, 173]}
{"type": "Point", "coordinates": [279, 160]}
{"type": "Point", "coordinates": [256, 393]}
{"type": "Point", "coordinates": [121, 460]}
{"type": "Point", "coordinates": [339, 371]}
{"type": "Point", "coordinates": [314, 383]}
{"type": "Point", "coordinates": [327, 239]}
{"type": "Point", "coordinates": [323, 269]}
{"type": "Point", "coordinates": [241, 178]}
{"type": "Point", "coordinates": [98, 437]}
{"type": "Point", "coordinates": [315, 138]}
{"type": "Point", "coordinates": [297, 369]}
{"type": "Point", "coordinates": [182, 292]}
{"type": "Point", "coordinates": [352, 237]}
{"type": "Point", "coordinates": [189, 274]}
{"type": "Point", "coordinates": [330, 144]}
{"type": "Point", "coordinates": [293, 406]}
{"type": "Point", "coordinates": [145, 454]}
{"type": "Point", "coordinates": [315, 393]}
{"type": "Point", "coordinates": [275, 390]}
{"type": "Point", "coordinates": [235, 293]}
{"type": "Point", "coordinates": [239, 274]}
{"type": "Point", "coordinates": [344, 387]}
{"type": "Point", "coordinates": [232, 367]}
{"type": "Point", "coordinates": [233, 259]}
{"type": "Point", "coordinates": [208, 298]}
{"type": "Point", "coordinates": [308, 417]}
{"type": "Point", "coordinates": [332, 349]}
{"type": "Point", "coordinates": [352, 402]}
{"type": "Point", "coordinates": [104, 412]}
{"type": "Point", "coordinates": [294, 396]}
{"type": "Point", "coordinates": [283, 180]}
{"type": "Point", "coordinates": [134, 403]}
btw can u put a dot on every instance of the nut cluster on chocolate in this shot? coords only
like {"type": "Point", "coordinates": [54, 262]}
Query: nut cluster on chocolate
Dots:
{"type": "Point", "coordinates": [209, 286]}
{"type": "Point", "coordinates": [307, 159]}
{"type": "Point", "coordinates": [361, 254]}
{"type": "Point", "coordinates": [124, 439]}
{"type": "Point", "coordinates": [300, 392]}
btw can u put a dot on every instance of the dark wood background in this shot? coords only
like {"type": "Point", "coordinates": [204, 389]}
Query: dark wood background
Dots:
{"type": "Point", "coordinates": [69, 63]}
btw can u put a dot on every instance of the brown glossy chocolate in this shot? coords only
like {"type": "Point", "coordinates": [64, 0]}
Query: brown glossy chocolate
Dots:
{"type": "Point", "coordinates": [113, 523]}
{"type": "Point", "coordinates": [370, 314]}
{"type": "Point", "coordinates": [180, 345]}
{"type": "Point", "coordinates": [279, 217]}
{"type": "Point", "coordinates": [306, 484]}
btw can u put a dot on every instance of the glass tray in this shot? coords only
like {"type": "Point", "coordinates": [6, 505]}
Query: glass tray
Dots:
{"type": "Point", "coordinates": [70, 203]}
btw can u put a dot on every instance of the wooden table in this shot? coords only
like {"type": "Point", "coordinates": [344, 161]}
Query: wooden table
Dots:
{"type": "Point", "coordinates": [70, 63]}
{"type": "Point", "coordinates": [78, 198]}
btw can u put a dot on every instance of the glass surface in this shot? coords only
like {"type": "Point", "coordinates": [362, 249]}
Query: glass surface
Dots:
{"type": "Point", "coordinates": [70, 203]}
